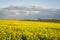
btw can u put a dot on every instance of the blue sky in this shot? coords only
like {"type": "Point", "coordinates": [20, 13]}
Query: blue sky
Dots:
{"type": "Point", "coordinates": [42, 3]}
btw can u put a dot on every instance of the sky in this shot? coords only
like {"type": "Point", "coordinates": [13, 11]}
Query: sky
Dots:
{"type": "Point", "coordinates": [41, 3]}
{"type": "Point", "coordinates": [44, 8]}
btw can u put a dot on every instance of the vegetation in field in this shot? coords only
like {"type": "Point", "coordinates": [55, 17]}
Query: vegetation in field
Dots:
{"type": "Point", "coordinates": [23, 30]}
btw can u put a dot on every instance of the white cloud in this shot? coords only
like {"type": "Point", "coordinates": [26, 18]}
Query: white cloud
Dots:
{"type": "Point", "coordinates": [16, 10]}
{"type": "Point", "coordinates": [34, 12]}
{"type": "Point", "coordinates": [19, 12]}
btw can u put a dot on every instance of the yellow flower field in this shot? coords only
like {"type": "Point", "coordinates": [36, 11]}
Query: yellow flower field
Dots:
{"type": "Point", "coordinates": [25, 30]}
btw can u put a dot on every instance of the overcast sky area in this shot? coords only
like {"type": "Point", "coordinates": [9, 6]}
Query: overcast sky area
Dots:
{"type": "Point", "coordinates": [30, 9]}
{"type": "Point", "coordinates": [41, 3]}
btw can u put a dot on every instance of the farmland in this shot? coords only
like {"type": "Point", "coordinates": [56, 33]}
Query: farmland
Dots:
{"type": "Point", "coordinates": [25, 30]}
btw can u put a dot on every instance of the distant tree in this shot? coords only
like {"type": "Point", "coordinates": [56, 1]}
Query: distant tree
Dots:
{"type": "Point", "coordinates": [39, 19]}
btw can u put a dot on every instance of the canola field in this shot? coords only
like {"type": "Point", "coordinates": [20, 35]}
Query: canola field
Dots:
{"type": "Point", "coordinates": [25, 30]}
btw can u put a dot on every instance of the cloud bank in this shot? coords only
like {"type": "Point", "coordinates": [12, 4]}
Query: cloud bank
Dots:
{"type": "Point", "coordinates": [29, 12]}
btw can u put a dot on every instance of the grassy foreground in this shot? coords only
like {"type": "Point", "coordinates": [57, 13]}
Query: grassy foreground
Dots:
{"type": "Point", "coordinates": [23, 30]}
